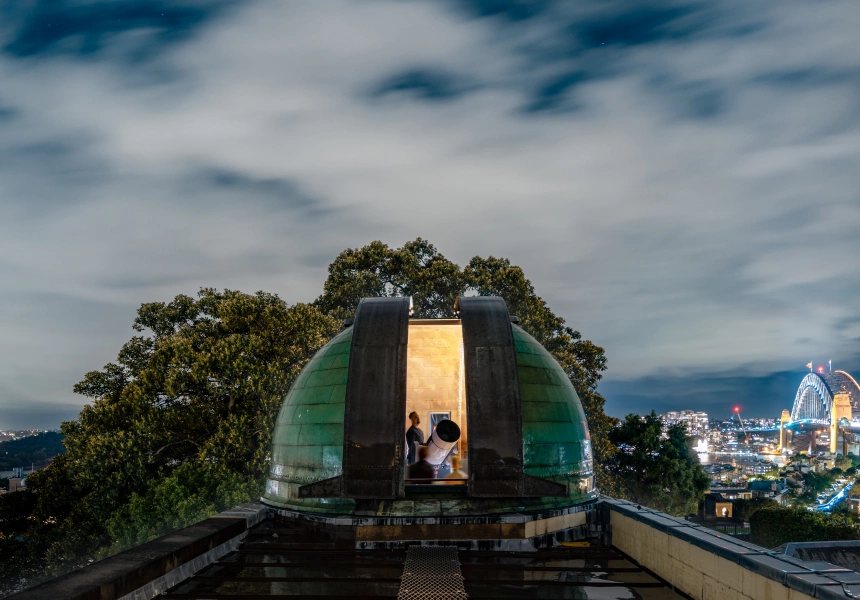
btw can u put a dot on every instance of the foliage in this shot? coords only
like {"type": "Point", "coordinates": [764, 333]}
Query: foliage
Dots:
{"type": "Point", "coordinates": [772, 527]}
{"type": "Point", "coordinates": [4, 483]}
{"type": "Point", "coordinates": [419, 270]}
{"type": "Point", "coordinates": [416, 270]}
{"type": "Point", "coordinates": [844, 462]}
{"type": "Point", "coordinates": [25, 451]}
{"type": "Point", "coordinates": [814, 483]}
{"type": "Point", "coordinates": [744, 509]}
{"type": "Point", "coordinates": [818, 482]}
{"type": "Point", "coordinates": [15, 559]}
{"type": "Point", "coordinates": [772, 473]}
{"type": "Point", "coordinates": [186, 412]}
{"type": "Point", "coordinates": [659, 473]}
{"type": "Point", "coordinates": [191, 493]}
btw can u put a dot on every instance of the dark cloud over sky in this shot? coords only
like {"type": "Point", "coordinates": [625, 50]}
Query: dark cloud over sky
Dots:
{"type": "Point", "coordinates": [677, 178]}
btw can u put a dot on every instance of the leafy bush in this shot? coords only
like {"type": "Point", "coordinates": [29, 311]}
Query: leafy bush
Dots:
{"type": "Point", "coordinates": [774, 526]}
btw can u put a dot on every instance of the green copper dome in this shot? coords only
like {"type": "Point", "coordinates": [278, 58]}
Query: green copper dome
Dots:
{"type": "Point", "coordinates": [307, 444]}
{"type": "Point", "coordinates": [556, 442]}
{"type": "Point", "coordinates": [308, 438]}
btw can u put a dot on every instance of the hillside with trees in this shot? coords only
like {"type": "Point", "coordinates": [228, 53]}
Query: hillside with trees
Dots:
{"type": "Point", "coordinates": [31, 450]}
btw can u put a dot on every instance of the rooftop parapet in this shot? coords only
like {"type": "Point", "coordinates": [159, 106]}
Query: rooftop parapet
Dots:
{"type": "Point", "coordinates": [706, 564]}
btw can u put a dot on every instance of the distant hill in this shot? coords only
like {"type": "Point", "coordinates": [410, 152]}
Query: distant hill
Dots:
{"type": "Point", "coordinates": [33, 449]}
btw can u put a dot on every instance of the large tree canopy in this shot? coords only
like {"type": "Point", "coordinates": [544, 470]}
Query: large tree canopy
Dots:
{"type": "Point", "coordinates": [179, 427]}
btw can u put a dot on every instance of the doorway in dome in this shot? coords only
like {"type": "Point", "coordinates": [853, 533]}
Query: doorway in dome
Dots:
{"type": "Point", "coordinates": [435, 392]}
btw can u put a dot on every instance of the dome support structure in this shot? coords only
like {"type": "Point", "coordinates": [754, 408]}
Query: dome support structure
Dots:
{"type": "Point", "coordinates": [493, 404]}
{"type": "Point", "coordinates": [375, 405]}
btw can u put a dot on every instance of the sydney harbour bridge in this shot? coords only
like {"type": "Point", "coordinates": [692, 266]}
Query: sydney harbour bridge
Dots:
{"type": "Point", "coordinates": [824, 400]}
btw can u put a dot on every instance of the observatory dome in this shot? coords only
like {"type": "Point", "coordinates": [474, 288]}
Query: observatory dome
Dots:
{"type": "Point", "coordinates": [339, 440]}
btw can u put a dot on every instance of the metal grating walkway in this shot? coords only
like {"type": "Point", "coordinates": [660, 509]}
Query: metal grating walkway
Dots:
{"type": "Point", "coordinates": [431, 573]}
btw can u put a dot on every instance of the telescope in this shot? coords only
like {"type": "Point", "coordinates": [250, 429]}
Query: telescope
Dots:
{"type": "Point", "coordinates": [445, 435]}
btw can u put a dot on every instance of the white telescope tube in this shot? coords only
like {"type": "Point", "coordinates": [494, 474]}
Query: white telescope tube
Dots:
{"type": "Point", "coordinates": [445, 435]}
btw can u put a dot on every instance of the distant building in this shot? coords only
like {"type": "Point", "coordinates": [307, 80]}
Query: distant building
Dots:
{"type": "Point", "coordinates": [764, 488]}
{"type": "Point", "coordinates": [17, 484]}
{"type": "Point", "coordinates": [732, 493]}
{"type": "Point", "coordinates": [715, 505]}
{"type": "Point", "coordinates": [696, 422]}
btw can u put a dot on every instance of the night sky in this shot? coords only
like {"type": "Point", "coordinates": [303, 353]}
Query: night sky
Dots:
{"type": "Point", "coordinates": [678, 179]}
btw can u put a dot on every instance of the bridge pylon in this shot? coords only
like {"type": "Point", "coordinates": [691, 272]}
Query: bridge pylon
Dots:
{"type": "Point", "coordinates": [784, 433]}
{"type": "Point", "coordinates": [841, 409]}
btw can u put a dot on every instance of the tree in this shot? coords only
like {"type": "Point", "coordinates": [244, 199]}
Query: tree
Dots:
{"type": "Point", "coordinates": [843, 462]}
{"type": "Point", "coordinates": [434, 282]}
{"type": "Point", "coordinates": [817, 482]}
{"type": "Point", "coordinates": [179, 427]}
{"type": "Point", "coordinates": [659, 473]}
{"type": "Point", "coordinates": [375, 270]}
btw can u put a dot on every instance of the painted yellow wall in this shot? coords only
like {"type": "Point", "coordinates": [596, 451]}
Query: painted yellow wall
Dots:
{"type": "Point", "coordinates": [434, 373]}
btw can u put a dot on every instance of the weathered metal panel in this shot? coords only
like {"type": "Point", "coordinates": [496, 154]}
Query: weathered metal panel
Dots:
{"type": "Point", "coordinates": [376, 400]}
{"type": "Point", "coordinates": [555, 437]}
{"type": "Point", "coordinates": [493, 408]}
{"type": "Point", "coordinates": [326, 488]}
{"type": "Point", "coordinates": [310, 423]}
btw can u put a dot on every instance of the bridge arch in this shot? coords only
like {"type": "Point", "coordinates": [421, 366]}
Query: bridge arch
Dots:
{"type": "Point", "coordinates": [813, 400]}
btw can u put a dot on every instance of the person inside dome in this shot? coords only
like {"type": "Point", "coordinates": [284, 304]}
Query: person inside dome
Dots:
{"type": "Point", "coordinates": [422, 471]}
{"type": "Point", "coordinates": [413, 434]}
{"type": "Point", "coordinates": [456, 475]}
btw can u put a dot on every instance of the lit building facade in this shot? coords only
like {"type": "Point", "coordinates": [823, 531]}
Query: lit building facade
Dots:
{"type": "Point", "coordinates": [696, 422]}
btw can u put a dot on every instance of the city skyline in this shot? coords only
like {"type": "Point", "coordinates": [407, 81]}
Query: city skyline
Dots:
{"type": "Point", "coordinates": [676, 179]}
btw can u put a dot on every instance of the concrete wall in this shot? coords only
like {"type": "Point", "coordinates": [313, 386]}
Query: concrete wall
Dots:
{"type": "Point", "coordinates": [708, 565]}
{"type": "Point", "coordinates": [434, 374]}
{"type": "Point", "coordinates": [147, 570]}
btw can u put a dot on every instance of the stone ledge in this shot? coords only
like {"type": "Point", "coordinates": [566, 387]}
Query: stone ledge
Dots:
{"type": "Point", "coordinates": [817, 579]}
{"type": "Point", "coordinates": [127, 572]}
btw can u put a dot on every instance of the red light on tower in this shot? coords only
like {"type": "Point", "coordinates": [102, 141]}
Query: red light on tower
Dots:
{"type": "Point", "coordinates": [737, 409]}
{"type": "Point", "coordinates": [821, 369]}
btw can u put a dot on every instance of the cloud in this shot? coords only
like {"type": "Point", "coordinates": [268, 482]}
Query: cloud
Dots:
{"type": "Point", "coordinates": [424, 84]}
{"type": "Point", "coordinates": [677, 178]}
{"type": "Point", "coordinates": [39, 28]}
